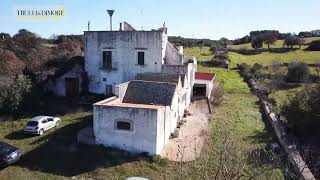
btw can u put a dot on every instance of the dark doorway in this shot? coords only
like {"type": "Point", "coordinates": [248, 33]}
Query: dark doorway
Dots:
{"type": "Point", "coordinates": [199, 90]}
{"type": "Point", "coordinates": [108, 90]}
{"type": "Point", "coordinates": [72, 87]}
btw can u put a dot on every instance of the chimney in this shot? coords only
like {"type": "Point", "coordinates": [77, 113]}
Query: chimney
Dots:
{"type": "Point", "coordinates": [110, 12]}
{"type": "Point", "coordinates": [121, 27]}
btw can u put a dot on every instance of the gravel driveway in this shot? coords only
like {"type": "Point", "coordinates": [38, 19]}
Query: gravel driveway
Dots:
{"type": "Point", "coordinates": [188, 145]}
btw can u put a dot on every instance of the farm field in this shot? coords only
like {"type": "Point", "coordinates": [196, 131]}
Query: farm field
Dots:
{"type": "Point", "coordinates": [277, 44]}
{"type": "Point", "coordinates": [264, 58]}
{"type": "Point", "coordinates": [238, 113]}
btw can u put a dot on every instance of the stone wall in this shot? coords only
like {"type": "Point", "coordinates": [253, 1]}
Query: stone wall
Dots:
{"type": "Point", "coordinates": [286, 141]}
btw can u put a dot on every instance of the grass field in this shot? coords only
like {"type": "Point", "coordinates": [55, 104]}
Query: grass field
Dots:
{"type": "Point", "coordinates": [238, 112]}
{"type": "Point", "coordinates": [265, 58]}
{"type": "Point", "coordinates": [277, 44]}
{"type": "Point", "coordinates": [56, 155]}
{"type": "Point", "coordinates": [240, 115]}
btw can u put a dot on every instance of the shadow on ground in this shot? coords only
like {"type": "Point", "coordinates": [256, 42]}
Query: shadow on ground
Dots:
{"type": "Point", "coordinates": [58, 153]}
{"type": "Point", "coordinates": [18, 135]}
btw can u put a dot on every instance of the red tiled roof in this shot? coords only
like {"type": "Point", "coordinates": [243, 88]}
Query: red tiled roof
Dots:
{"type": "Point", "coordinates": [204, 76]}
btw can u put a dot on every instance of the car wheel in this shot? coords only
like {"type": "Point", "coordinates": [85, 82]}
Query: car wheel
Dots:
{"type": "Point", "coordinates": [41, 131]}
{"type": "Point", "coordinates": [57, 123]}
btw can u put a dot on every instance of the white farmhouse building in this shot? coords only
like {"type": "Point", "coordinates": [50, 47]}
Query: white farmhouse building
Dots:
{"type": "Point", "coordinates": [152, 82]}
{"type": "Point", "coordinates": [114, 57]}
{"type": "Point", "coordinates": [140, 119]}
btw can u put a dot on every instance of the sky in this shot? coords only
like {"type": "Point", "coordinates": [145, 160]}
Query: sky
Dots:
{"type": "Point", "coordinates": [211, 19]}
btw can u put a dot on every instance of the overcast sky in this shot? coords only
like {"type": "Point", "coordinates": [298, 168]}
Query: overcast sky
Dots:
{"type": "Point", "coordinates": [188, 18]}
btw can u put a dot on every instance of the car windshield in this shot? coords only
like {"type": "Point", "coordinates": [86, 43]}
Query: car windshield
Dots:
{"type": "Point", "coordinates": [32, 123]}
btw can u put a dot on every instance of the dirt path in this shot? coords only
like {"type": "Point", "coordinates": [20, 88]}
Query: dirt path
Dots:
{"type": "Point", "coordinates": [188, 145]}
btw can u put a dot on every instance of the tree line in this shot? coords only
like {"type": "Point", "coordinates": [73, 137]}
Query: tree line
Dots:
{"type": "Point", "coordinates": [26, 59]}
{"type": "Point", "coordinates": [281, 36]}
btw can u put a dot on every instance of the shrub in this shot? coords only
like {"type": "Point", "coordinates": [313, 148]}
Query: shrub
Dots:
{"type": "Point", "coordinates": [302, 112]}
{"type": "Point", "coordinates": [244, 67]}
{"type": "Point", "coordinates": [160, 161]}
{"type": "Point", "coordinates": [314, 46]}
{"type": "Point", "coordinates": [245, 70]}
{"type": "Point", "coordinates": [298, 72]}
{"type": "Point", "coordinates": [256, 67]}
{"type": "Point", "coordinates": [12, 94]}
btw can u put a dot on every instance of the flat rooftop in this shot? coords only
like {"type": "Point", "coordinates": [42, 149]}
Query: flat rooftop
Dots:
{"type": "Point", "coordinates": [115, 102]}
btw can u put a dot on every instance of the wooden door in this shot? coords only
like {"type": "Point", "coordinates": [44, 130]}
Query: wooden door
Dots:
{"type": "Point", "coordinates": [72, 87]}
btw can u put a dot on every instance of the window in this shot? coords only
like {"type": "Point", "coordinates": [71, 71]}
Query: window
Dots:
{"type": "Point", "coordinates": [44, 121]}
{"type": "Point", "coordinates": [32, 123]}
{"type": "Point", "coordinates": [50, 119]}
{"type": "Point", "coordinates": [124, 125]}
{"type": "Point", "coordinates": [141, 58]}
{"type": "Point", "coordinates": [107, 59]}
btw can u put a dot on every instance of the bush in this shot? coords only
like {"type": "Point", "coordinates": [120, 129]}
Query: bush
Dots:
{"type": "Point", "coordinates": [298, 72]}
{"type": "Point", "coordinates": [160, 161]}
{"type": "Point", "coordinates": [314, 46]}
{"type": "Point", "coordinates": [245, 70]}
{"type": "Point", "coordinates": [12, 94]}
{"type": "Point", "coordinates": [256, 67]}
{"type": "Point", "coordinates": [302, 112]}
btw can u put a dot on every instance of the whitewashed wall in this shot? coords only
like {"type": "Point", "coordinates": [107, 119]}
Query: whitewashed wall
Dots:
{"type": "Point", "coordinates": [209, 86]}
{"type": "Point", "coordinates": [143, 138]}
{"type": "Point", "coordinates": [124, 46]}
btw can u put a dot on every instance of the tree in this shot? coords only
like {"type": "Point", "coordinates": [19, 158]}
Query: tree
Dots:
{"type": "Point", "coordinates": [200, 44]}
{"type": "Point", "coordinates": [291, 41]}
{"type": "Point", "coordinates": [224, 41]}
{"type": "Point", "coordinates": [257, 43]}
{"type": "Point", "coordinates": [270, 38]}
{"type": "Point", "coordinates": [243, 40]}
{"type": "Point", "coordinates": [302, 112]}
{"type": "Point", "coordinates": [298, 72]}
{"type": "Point", "coordinates": [10, 64]}
{"type": "Point", "coordinates": [12, 93]}
{"type": "Point", "coordinates": [26, 39]}
{"type": "Point", "coordinates": [6, 41]}
{"type": "Point", "coordinates": [215, 47]}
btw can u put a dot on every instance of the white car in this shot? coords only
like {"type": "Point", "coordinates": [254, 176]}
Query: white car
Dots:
{"type": "Point", "coordinates": [38, 125]}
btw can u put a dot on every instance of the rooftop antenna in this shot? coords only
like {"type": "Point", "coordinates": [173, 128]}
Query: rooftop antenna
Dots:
{"type": "Point", "coordinates": [110, 12]}
{"type": "Point", "coordinates": [88, 25]}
